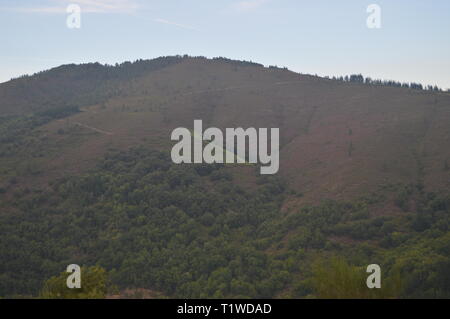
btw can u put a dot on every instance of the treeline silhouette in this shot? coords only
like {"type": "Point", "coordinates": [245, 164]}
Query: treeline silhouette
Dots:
{"type": "Point", "coordinates": [126, 70]}
{"type": "Point", "coordinates": [359, 78]}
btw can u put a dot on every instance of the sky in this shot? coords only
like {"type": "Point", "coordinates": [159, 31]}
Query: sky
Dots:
{"type": "Point", "coordinates": [324, 37]}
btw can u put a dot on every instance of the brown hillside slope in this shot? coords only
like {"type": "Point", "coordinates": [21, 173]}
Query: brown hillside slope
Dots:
{"type": "Point", "coordinates": [339, 140]}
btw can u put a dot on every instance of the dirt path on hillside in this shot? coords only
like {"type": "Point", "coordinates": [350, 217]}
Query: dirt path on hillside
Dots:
{"type": "Point", "coordinates": [94, 129]}
{"type": "Point", "coordinates": [230, 88]}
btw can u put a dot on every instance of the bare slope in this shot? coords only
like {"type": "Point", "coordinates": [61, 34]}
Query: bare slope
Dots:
{"type": "Point", "coordinates": [339, 140]}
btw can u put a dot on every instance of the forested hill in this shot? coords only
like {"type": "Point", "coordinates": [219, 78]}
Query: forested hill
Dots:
{"type": "Point", "coordinates": [338, 139]}
{"type": "Point", "coordinates": [72, 84]}
{"type": "Point", "coordinates": [86, 178]}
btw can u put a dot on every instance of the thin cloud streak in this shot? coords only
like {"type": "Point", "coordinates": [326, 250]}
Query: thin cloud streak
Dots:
{"type": "Point", "coordinates": [87, 6]}
{"type": "Point", "coordinates": [184, 26]}
{"type": "Point", "coordinates": [249, 5]}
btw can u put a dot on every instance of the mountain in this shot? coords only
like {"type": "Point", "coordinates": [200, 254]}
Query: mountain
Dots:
{"type": "Point", "coordinates": [364, 173]}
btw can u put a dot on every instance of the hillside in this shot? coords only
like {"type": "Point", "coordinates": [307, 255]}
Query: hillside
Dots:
{"type": "Point", "coordinates": [85, 177]}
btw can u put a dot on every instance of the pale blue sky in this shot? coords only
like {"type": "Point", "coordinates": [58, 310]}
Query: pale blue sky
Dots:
{"type": "Point", "coordinates": [325, 37]}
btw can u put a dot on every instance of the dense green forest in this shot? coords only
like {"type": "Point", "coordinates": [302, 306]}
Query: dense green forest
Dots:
{"type": "Point", "coordinates": [190, 231]}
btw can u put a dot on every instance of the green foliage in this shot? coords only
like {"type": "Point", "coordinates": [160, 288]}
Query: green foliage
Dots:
{"type": "Point", "coordinates": [191, 232]}
{"type": "Point", "coordinates": [336, 279]}
{"type": "Point", "coordinates": [152, 224]}
{"type": "Point", "coordinates": [93, 285]}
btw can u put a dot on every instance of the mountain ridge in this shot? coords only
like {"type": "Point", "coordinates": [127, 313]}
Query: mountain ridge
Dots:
{"type": "Point", "coordinates": [86, 177]}
{"type": "Point", "coordinates": [328, 128]}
